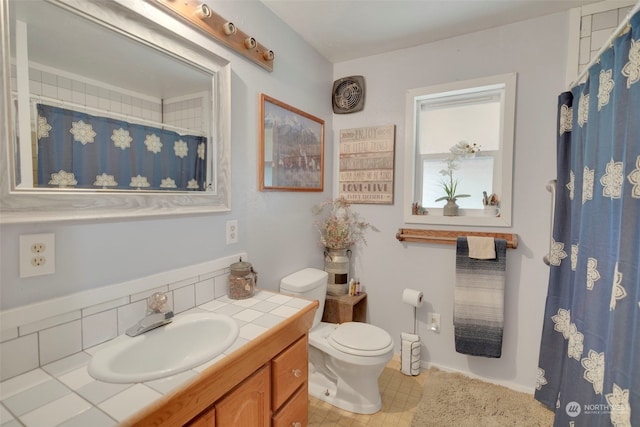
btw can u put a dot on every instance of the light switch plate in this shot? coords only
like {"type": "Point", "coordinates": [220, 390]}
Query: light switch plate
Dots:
{"type": "Point", "coordinates": [37, 254]}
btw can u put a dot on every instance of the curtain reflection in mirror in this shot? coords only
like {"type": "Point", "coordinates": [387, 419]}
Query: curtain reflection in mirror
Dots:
{"type": "Point", "coordinates": [79, 150]}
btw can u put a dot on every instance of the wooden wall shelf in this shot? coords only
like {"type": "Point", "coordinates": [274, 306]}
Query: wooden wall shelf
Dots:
{"type": "Point", "coordinates": [449, 237]}
{"type": "Point", "coordinates": [214, 26]}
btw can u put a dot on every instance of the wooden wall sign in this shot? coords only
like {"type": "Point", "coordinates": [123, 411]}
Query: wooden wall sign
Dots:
{"type": "Point", "coordinates": [367, 164]}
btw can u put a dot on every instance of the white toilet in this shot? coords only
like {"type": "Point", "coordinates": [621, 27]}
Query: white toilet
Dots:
{"type": "Point", "coordinates": [345, 360]}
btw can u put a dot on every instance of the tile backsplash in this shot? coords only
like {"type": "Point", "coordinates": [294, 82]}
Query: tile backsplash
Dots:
{"type": "Point", "coordinates": [30, 343]}
{"type": "Point", "coordinates": [595, 30]}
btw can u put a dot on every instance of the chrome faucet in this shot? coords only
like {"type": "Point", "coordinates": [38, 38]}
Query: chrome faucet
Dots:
{"type": "Point", "coordinates": [156, 316]}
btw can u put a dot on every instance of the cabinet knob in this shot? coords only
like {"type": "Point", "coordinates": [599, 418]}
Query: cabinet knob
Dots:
{"type": "Point", "coordinates": [296, 424]}
{"type": "Point", "coordinates": [296, 373]}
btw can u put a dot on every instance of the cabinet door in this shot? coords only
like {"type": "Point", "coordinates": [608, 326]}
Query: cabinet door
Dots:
{"type": "Point", "coordinates": [290, 371]}
{"type": "Point", "coordinates": [248, 404]}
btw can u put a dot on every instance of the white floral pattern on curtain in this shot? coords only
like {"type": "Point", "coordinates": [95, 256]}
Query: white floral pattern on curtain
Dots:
{"type": "Point", "coordinates": [589, 364]}
{"type": "Point", "coordinates": [79, 150]}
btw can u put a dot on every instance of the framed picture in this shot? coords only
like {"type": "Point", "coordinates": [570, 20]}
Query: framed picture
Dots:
{"type": "Point", "coordinates": [291, 148]}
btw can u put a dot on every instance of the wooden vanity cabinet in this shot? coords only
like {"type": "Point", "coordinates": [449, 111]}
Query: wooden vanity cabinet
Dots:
{"type": "Point", "coordinates": [246, 405]}
{"type": "Point", "coordinates": [262, 383]}
{"type": "Point", "coordinates": [206, 419]}
{"type": "Point", "coordinates": [289, 377]}
{"type": "Point", "coordinates": [290, 371]}
{"type": "Point", "coordinates": [294, 413]}
{"type": "Point", "coordinates": [280, 385]}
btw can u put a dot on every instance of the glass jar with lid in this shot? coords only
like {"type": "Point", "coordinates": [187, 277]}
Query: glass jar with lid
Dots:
{"type": "Point", "coordinates": [242, 280]}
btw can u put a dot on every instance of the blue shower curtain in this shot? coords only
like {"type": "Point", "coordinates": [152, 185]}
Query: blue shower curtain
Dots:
{"type": "Point", "coordinates": [589, 363]}
{"type": "Point", "coordinates": [78, 150]}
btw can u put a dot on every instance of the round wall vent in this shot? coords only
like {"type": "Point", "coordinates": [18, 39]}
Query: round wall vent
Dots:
{"type": "Point", "coordinates": [348, 95]}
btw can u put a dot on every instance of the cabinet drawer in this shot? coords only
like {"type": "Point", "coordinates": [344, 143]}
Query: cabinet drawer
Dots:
{"type": "Point", "coordinates": [294, 413]}
{"type": "Point", "coordinates": [290, 369]}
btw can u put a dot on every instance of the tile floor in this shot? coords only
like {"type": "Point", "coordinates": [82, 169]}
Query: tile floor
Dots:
{"type": "Point", "coordinates": [400, 397]}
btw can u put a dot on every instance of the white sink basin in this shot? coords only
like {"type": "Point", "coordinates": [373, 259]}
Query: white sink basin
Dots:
{"type": "Point", "coordinates": [189, 341]}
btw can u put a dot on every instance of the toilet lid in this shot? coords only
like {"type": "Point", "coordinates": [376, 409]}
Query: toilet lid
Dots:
{"type": "Point", "coordinates": [360, 339]}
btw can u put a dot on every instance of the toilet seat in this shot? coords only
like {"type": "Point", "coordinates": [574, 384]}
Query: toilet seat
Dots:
{"type": "Point", "coordinates": [360, 339]}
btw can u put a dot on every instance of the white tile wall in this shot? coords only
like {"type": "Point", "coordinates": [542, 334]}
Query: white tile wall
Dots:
{"type": "Point", "coordinates": [51, 84]}
{"type": "Point", "coordinates": [204, 291]}
{"type": "Point", "coordinates": [50, 322]}
{"type": "Point", "coordinates": [595, 30]}
{"type": "Point", "coordinates": [129, 314]}
{"type": "Point", "coordinates": [19, 355]}
{"type": "Point", "coordinates": [60, 341]}
{"type": "Point", "coordinates": [26, 347]}
{"type": "Point", "coordinates": [220, 286]}
{"type": "Point", "coordinates": [97, 308]}
{"type": "Point", "coordinates": [100, 327]}
{"type": "Point", "coordinates": [186, 112]}
{"type": "Point", "coordinates": [184, 298]}
{"type": "Point", "coordinates": [8, 334]}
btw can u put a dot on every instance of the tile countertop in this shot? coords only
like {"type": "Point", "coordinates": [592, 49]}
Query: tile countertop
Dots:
{"type": "Point", "coordinates": [63, 393]}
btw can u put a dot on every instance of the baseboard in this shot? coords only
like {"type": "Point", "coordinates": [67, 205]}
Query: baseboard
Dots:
{"type": "Point", "coordinates": [424, 365]}
{"type": "Point", "coordinates": [508, 384]}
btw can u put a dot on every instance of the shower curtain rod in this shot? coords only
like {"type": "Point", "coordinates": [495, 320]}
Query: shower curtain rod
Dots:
{"type": "Point", "coordinates": [112, 114]}
{"type": "Point", "coordinates": [619, 30]}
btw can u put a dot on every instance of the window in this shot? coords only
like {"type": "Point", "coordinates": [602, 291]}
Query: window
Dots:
{"type": "Point", "coordinates": [466, 129]}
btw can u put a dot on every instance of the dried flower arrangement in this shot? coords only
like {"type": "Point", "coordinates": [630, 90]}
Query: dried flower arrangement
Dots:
{"type": "Point", "coordinates": [338, 225]}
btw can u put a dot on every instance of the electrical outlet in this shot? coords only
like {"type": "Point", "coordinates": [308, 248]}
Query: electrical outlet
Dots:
{"type": "Point", "coordinates": [38, 261]}
{"type": "Point", "coordinates": [37, 254]}
{"type": "Point", "coordinates": [434, 322]}
{"type": "Point", "coordinates": [38, 248]}
{"type": "Point", "coordinates": [232, 231]}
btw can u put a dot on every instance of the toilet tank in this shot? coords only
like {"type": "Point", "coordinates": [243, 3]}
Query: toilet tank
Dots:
{"type": "Point", "coordinates": [309, 283]}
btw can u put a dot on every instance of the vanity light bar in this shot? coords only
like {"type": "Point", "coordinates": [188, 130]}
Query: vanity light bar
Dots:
{"type": "Point", "coordinates": [203, 17]}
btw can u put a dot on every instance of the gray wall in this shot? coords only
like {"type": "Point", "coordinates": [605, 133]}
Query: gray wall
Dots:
{"type": "Point", "coordinates": [536, 50]}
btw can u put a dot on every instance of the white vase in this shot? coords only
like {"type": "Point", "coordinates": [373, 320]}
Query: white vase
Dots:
{"type": "Point", "coordinates": [491, 210]}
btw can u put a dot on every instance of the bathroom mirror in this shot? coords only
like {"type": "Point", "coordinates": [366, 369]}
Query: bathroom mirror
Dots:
{"type": "Point", "coordinates": [460, 139]}
{"type": "Point", "coordinates": [119, 117]}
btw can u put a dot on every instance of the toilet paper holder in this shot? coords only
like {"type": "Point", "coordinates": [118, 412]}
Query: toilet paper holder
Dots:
{"type": "Point", "coordinates": [413, 297]}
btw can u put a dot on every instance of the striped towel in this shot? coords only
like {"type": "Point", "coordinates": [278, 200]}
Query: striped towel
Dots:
{"type": "Point", "coordinates": [478, 314]}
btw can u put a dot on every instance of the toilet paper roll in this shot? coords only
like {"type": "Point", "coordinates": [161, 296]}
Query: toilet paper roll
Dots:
{"type": "Point", "coordinates": [412, 297]}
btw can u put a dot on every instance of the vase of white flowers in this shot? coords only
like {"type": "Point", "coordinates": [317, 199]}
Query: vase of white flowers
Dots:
{"type": "Point", "coordinates": [340, 228]}
{"type": "Point", "coordinates": [450, 185]}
